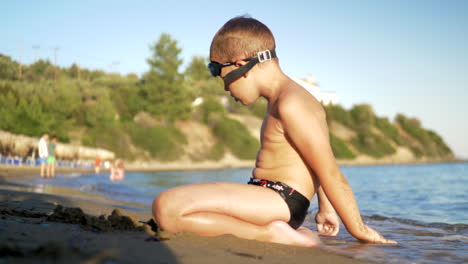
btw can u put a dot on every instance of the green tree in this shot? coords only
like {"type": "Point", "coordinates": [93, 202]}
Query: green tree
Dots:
{"type": "Point", "coordinates": [39, 70]}
{"type": "Point", "coordinates": [163, 88]}
{"type": "Point", "coordinates": [73, 71]}
{"type": "Point", "coordinates": [388, 129]}
{"type": "Point", "coordinates": [340, 149]}
{"type": "Point", "coordinates": [22, 115]}
{"type": "Point", "coordinates": [98, 109]}
{"type": "Point", "coordinates": [199, 81]}
{"type": "Point", "coordinates": [127, 101]}
{"type": "Point", "coordinates": [430, 143]}
{"type": "Point", "coordinates": [441, 148]}
{"type": "Point", "coordinates": [8, 68]}
{"type": "Point", "coordinates": [9, 103]}
{"type": "Point", "coordinates": [165, 143]}
{"type": "Point", "coordinates": [235, 136]}
{"type": "Point", "coordinates": [197, 69]}
{"type": "Point", "coordinates": [372, 144]}
{"type": "Point", "coordinates": [363, 117]}
{"type": "Point", "coordinates": [43, 106]}
{"type": "Point", "coordinates": [338, 114]}
{"type": "Point", "coordinates": [211, 110]}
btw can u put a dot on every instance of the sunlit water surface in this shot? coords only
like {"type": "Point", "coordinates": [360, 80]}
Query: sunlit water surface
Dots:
{"type": "Point", "coordinates": [423, 207]}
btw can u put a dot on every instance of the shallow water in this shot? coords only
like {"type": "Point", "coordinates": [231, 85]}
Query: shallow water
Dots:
{"type": "Point", "coordinates": [423, 207]}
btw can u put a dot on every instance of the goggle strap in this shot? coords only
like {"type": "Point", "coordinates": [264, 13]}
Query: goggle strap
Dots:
{"type": "Point", "coordinates": [261, 57]}
{"type": "Point", "coordinates": [266, 55]}
{"type": "Point", "coordinates": [235, 74]}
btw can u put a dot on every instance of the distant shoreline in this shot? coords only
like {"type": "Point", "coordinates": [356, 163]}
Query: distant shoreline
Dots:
{"type": "Point", "coordinates": [184, 166]}
{"type": "Point", "coordinates": [199, 166]}
{"type": "Point", "coordinates": [413, 162]}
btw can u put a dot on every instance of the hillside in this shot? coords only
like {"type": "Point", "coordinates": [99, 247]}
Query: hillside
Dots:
{"type": "Point", "coordinates": [171, 116]}
{"type": "Point", "coordinates": [358, 136]}
{"type": "Point", "coordinates": [375, 140]}
{"type": "Point", "coordinates": [383, 148]}
{"type": "Point", "coordinates": [403, 141]}
{"type": "Point", "coordinates": [217, 135]}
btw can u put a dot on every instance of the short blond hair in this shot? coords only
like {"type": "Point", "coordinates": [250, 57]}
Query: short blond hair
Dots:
{"type": "Point", "coordinates": [240, 38]}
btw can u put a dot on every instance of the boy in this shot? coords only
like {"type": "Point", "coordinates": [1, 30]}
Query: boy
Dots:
{"type": "Point", "coordinates": [51, 158]}
{"type": "Point", "coordinates": [295, 160]}
{"type": "Point", "coordinates": [43, 153]}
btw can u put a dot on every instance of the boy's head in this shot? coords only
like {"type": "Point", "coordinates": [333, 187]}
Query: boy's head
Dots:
{"type": "Point", "coordinates": [241, 38]}
{"type": "Point", "coordinates": [237, 47]}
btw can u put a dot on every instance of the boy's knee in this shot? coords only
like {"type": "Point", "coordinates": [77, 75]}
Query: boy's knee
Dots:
{"type": "Point", "coordinates": [162, 212]}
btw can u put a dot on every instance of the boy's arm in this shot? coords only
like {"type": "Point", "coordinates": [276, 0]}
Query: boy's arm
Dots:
{"type": "Point", "coordinates": [305, 124]}
{"type": "Point", "coordinates": [326, 218]}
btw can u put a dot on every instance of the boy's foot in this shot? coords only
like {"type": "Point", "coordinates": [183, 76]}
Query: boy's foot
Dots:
{"type": "Point", "coordinates": [282, 233]}
{"type": "Point", "coordinates": [310, 234]}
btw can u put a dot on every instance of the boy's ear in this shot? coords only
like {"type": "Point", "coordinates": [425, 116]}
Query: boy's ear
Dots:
{"type": "Point", "coordinates": [241, 63]}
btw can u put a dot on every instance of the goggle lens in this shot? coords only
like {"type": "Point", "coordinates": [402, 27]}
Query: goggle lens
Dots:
{"type": "Point", "coordinates": [215, 68]}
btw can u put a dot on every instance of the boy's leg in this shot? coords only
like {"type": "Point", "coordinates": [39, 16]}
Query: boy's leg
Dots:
{"type": "Point", "coordinates": [212, 209]}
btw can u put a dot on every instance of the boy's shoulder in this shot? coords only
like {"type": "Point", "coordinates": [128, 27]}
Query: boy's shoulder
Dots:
{"type": "Point", "coordinates": [295, 98]}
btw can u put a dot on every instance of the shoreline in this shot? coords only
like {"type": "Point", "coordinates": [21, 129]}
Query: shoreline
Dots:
{"type": "Point", "coordinates": [250, 164]}
{"type": "Point", "coordinates": [211, 165]}
{"type": "Point", "coordinates": [43, 227]}
{"type": "Point", "coordinates": [391, 163]}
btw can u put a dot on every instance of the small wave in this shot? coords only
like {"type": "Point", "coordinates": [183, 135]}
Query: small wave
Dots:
{"type": "Point", "coordinates": [87, 188]}
{"type": "Point", "coordinates": [454, 238]}
{"type": "Point", "coordinates": [448, 227]}
{"type": "Point", "coordinates": [72, 175]}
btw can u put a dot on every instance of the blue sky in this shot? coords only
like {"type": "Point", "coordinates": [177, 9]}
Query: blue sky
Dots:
{"type": "Point", "coordinates": [400, 56]}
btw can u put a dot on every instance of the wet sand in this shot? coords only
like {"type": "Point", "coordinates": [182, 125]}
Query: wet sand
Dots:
{"type": "Point", "coordinates": [61, 228]}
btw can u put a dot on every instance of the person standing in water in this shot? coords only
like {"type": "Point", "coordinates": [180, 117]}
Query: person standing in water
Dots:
{"type": "Point", "coordinates": [43, 153]}
{"type": "Point", "coordinates": [117, 170]}
{"type": "Point", "coordinates": [97, 165]}
{"type": "Point", "coordinates": [51, 157]}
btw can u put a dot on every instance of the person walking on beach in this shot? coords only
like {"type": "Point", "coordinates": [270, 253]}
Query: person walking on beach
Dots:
{"type": "Point", "coordinates": [294, 163]}
{"type": "Point", "coordinates": [51, 158]}
{"type": "Point", "coordinates": [97, 165]}
{"type": "Point", "coordinates": [43, 153]}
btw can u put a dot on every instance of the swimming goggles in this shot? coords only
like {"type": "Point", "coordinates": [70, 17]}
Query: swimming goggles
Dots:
{"type": "Point", "coordinates": [215, 67]}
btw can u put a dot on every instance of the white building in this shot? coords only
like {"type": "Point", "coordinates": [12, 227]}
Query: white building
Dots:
{"type": "Point", "coordinates": [312, 86]}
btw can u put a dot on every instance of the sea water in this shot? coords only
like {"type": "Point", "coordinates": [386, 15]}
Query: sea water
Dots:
{"type": "Point", "coordinates": [423, 207]}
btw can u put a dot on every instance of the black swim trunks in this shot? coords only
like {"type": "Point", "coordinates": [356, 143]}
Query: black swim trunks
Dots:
{"type": "Point", "coordinates": [297, 203]}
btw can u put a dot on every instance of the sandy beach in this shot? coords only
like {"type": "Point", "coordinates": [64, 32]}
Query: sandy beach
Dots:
{"type": "Point", "coordinates": [64, 226]}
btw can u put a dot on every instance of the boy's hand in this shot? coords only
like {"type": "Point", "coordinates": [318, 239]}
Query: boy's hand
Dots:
{"type": "Point", "coordinates": [373, 236]}
{"type": "Point", "coordinates": [327, 223]}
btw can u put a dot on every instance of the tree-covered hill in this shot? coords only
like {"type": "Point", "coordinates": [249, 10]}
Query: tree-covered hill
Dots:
{"type": "Point", "coordinates": [132, 116]}
{"type": "Point", "coordinates": [153, 116]}
{"type": "Point", "coordinates": [359, 131]}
